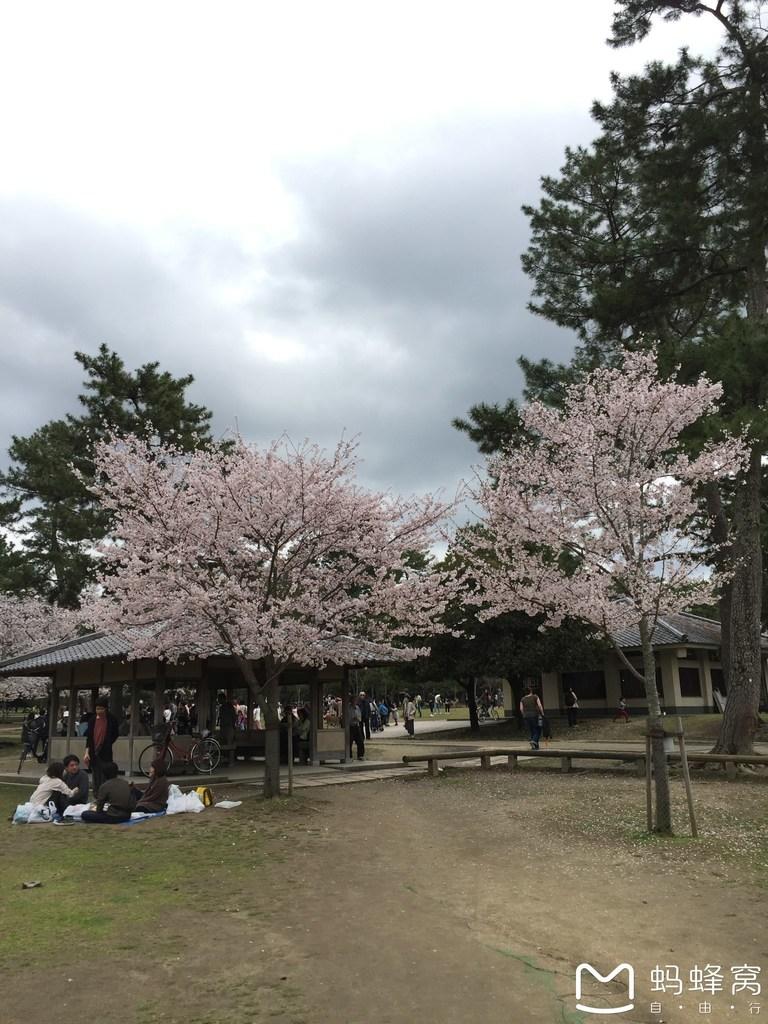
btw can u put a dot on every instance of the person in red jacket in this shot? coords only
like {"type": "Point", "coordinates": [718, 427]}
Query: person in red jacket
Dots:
{"type": "Point", "coordinates": [103, 730]}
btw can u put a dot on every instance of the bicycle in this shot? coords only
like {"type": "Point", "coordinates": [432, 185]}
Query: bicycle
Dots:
{"type": "Point", "coordinates": [29, 740]}
{"type": "Point", "coordinates": [204, 755]}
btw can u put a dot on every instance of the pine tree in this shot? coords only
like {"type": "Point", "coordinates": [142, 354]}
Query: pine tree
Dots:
{"type": "Point", "coordinates": [657, 233]}
{"type": "Point", "coordinates": [48, 507]}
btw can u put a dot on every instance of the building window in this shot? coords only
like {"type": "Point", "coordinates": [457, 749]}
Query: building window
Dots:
{"type": "Point", "coordinates": [586, 685]}
{"type": "Point", "coordinates": [633, 688]}
{"type": "Point", "coordinates": [690, 681]}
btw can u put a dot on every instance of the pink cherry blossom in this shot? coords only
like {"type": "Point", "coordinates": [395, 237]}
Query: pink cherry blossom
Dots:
{"type": "Point", "coordinates": [267, 553]}
{"type": "Point", "coordinates": [590, 518]}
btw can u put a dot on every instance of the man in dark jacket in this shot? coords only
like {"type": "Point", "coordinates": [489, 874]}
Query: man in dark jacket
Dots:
{"type": "Point", "coordinates": [114, 792]}
{"type": "Point", "coordinates": [102, 732]}
{"type": "Point", "coordinates": [365, 714]}
{"type": "Point", "coordinates": [76, 778]}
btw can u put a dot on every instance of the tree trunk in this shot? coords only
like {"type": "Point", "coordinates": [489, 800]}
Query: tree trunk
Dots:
{"type": "Point", "coordinates": [740, 720]}
{"type": "Point", "coordinates": [270, 689]}
{"type": "Point", "coordinates": [272, 727]}
{"type": "Point", "coordinates": [663, 817]}
{"type": "Point", "coordinates": [469, 686]}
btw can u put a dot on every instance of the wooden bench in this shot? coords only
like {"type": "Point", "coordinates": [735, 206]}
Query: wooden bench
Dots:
{"type": "Point", "coordinates": [566, 757]}
{"type": "Point", "coordinates": [729, 761]}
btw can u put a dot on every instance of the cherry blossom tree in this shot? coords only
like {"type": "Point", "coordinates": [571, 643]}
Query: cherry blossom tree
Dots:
{"type": "Point", "coordinates": [28, 623]}
{"type": "Point", "coordinates": [276, 556]}
{"type": "Point", "coordinates": [587, 517]}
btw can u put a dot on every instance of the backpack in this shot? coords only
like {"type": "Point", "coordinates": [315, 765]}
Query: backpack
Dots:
{"type": "Point", "coordinates": [205, 795]}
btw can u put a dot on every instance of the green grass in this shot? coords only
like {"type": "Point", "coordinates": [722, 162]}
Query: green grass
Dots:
{"type": "Point", "coordinates": [110, 883]}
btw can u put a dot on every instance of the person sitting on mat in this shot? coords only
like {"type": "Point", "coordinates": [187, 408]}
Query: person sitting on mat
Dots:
{"type": "Point", "coordinates": [52, 787]}
{"type": "Point", "coordinates": [114, 792]}
{"type": "Point", "coordinates": [154, 797]}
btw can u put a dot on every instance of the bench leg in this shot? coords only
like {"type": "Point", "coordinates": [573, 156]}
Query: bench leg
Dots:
{"type": "Point", "coordinates": [432, 767]}
{"type": "Point", "coordinates": [512, 762]}
{"type": "Point", "coordinates": [565, 764]}
{"type": "Point", "coordinates": [731, 770]}
{"type": "Point", "coordinates": [640, 768]}
{"type": "Point", "coordinates": [485, 762]}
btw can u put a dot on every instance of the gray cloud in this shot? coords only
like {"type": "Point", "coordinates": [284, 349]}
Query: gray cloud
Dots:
{"type": "Point", "coordinates": [402, 284]}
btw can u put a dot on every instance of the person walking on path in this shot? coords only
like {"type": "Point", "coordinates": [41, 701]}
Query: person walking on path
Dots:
{"type": "Point", "coordinates": [103, 730]}
{"type": "Point", "coordinates": [409, 716]}
{"type": "Point", "coordinates": [571, 707]}
{"type": "Point", "coordinates": [533, 713]}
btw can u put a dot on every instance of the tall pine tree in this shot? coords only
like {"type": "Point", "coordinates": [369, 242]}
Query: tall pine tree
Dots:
{"type": "Point", "coordinates": [657, 233]}
{"type": "Point", "coordinates": [48, 508]}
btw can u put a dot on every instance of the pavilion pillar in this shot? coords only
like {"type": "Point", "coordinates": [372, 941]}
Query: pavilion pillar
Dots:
{"type": "Point", "coordinates": [159, 691]}
{"type": "Point", "coordinates": [315, 713]}
{"type": "Point", "coordinates": [72, 704]}
{"type": "Point", "coordinates": [134, 717]}
{"type": "Point", "coordinates": [116, 701]}
{"type": "Point", "coordinates": [53, 712]}
{"type": "Point", "coordinates": [345, 711]}
{"type": "Point", "coordinates": [203, 699]}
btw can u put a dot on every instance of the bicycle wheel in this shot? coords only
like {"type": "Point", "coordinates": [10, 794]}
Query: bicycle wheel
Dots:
{"type": "Point", "coordinates": [152, 753]}
{"type": "Point", "coordinates": [205, 756]}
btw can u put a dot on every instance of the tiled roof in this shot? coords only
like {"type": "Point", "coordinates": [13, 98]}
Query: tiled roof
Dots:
{"type": "Point", "coordinates": [108, 646]}
{"type": "Point", "coordinates": [678, 629]}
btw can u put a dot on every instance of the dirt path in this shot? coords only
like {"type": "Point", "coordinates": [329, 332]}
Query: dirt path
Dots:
{"type": "Point", "coordinates": [467, 898]}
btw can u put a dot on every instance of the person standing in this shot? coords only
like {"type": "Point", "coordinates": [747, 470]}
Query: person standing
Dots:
{"type": "Point", "coordinates": [365, 714]}
{"type": "Point", "coordinates": [356, 729]}
{"type": "Point", "coordinates": [571, 707]}
{"type": "Point", "coordinates": [103, 730]}
{"type": "Point", "coordinates": [409, 715]}
{"type": "Point", "coordinates": [533, 713]}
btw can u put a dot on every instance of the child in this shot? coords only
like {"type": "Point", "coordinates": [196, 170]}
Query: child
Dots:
{"type": "Point", "coordinates": [622, 712]}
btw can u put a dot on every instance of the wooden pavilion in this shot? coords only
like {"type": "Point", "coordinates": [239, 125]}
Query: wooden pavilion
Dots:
{"type": "Point", "coordinates": [100, 662]}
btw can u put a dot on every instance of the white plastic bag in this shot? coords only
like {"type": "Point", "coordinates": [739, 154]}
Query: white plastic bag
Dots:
{"type": "Point", "coordinates": [76, 811]}
{"type": "Point", "coordinates": [181, 803]}
{"type": "Point", "coordinates": [22, 813]}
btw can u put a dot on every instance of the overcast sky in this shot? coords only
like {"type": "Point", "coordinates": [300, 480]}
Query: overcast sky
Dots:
{"type": "Point", "coordinates": [312, 207]}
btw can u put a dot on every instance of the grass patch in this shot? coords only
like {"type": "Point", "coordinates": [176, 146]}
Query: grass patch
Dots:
{"type": "Point", "coordinates": [108, 884]}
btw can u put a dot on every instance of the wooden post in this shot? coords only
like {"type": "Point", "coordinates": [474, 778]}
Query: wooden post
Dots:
{"type": "Point", "coordinates": [134, 716]}
{"type": "Point", "coordinates": [72, 704]}
{"type": "Point", "coordinates": [53, 713]}
{"type": "Point", "coordinates": [686, 776]}
{"type": "Point", "coordinates": [290, 749]}
{"type": "Point", "coordinates": [315, 715]}
{"type": "Point", "coordinates": [159, 695]}
{"type": "Point", "coordinates": [485, 761]}
{"type": "Point", "coordinates": [648, 786]}
{"type": "Point", "coordinates": [512, 762]}
{"type": "Point", "coordinates": [345, 711]}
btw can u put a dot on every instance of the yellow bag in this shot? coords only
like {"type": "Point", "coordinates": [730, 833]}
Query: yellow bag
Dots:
{"type": "Point", "coordinates": [205, 795]}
